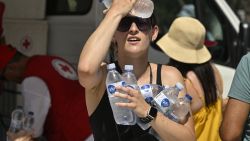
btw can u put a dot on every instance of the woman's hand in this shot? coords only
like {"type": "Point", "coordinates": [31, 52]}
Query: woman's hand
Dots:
{"type": "Point", "coordinates": [20, 136]}
{"type": "Point", "coordinates": [122, 6]}
{"type": "Point", "coordinates": [137, 102]}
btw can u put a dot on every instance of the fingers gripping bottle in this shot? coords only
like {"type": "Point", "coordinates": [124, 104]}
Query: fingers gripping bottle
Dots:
{"type": "Point", "coordinates": [17, 117]}
{"type": "Point", "coordinates": [167, 98]}
{"type": "Point", "coordinates": [121, 115]}
{"type": "Point", "coordinates": [149, 91]}
{"type": "Point", "coordinates": [142, 8]}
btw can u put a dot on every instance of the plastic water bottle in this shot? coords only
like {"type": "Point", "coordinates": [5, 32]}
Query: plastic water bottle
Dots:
{"type": "Point", "coordinates": [181, 109]}
{"type": "Point", "coordinates": [167, 98]}
{"type": "Point", "coordinates": [149, 91]}
{"type": "Point", "coordinates": [17, 117]}
{"type": "Point", "coordinates": [130, 81]}
{"type": "Point", "coordinates": [122, 116]}
{"type": "Point", "coordinates": [142, 8]}
{"type": "Point", "coordinates": [129, 77]}
{"type": "Point", "coordinates": [28, 122]}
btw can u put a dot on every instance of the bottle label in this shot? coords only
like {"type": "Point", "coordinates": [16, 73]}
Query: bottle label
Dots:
{"type": "Point", "coordinates": [162, 102]}
{"type": "Point", "coordinates": [173, 117]}
{"type": "Point", "coordinates": [111, 87]}
{"type": "Point", "coordinates": [147, 93]}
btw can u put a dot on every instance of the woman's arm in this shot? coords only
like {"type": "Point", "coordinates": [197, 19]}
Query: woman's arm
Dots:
{"type": "Point", "coordinates": [97, 46]}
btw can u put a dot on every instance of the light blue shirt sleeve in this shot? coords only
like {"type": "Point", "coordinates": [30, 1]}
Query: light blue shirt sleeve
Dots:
{"type": "Point", "coordinates": [240, 88]}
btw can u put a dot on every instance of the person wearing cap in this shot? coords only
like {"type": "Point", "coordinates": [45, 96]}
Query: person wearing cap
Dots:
{"type": "Point", "coordinates": [132, 36]}
{"type": "Point", "coordinates": [236, 124]}
{"type": "Point", "coordinates": [184, 44]}
{"type": "Point", "coordinates": [50, 88]}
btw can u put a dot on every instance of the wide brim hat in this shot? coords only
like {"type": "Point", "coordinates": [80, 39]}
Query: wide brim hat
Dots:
{"type": "Point", "coordinates": [7, 52]}
{"type": "Point", "coordinates": [184, 41]}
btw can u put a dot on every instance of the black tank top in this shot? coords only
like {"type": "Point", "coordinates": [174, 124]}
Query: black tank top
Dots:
{"type": "Point", "coordinates": [104, 127]}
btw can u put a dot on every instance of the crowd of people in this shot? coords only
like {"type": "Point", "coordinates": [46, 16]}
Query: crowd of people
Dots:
{"type": "Point", "coordinates": [83, 95]}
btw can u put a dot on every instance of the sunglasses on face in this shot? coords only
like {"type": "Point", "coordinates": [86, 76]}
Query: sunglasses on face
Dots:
{"type": "Point", "coordinates": [142, 24]}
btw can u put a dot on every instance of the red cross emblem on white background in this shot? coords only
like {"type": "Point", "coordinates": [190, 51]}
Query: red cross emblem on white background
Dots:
{"type": "Point", "coordinates": [64, 69]}
{"type": "Point", "coordinates": [26, 44]}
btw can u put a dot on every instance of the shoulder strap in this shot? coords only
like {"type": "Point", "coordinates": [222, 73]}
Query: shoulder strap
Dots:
{"type": "Point", "coordinates": [158, 77]}
{"type": "Point", "coordinates": [118, 68]}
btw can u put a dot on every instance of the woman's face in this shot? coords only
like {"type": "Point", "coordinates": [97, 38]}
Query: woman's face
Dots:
{"type": "Point", "coordinates": [133, 35]}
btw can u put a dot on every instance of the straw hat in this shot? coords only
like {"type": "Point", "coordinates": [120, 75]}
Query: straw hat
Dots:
{"type": "Point", "coordinates": [184, 41]}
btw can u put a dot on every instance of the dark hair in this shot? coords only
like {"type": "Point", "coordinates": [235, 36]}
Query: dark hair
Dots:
{"type": "Point", "coordinates": [205, 74]}
{"type": "Point", "coordinates": [153, 20]}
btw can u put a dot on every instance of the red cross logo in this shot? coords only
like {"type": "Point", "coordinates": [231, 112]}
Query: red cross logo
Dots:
{"type": "Point", "coordinates": [26, 44]}
{"type": "Point", "coordinates": [65, 68]}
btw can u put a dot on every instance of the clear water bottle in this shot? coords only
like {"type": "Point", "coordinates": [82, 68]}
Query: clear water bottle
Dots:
{"type": "Point", "coordinates": [129, 77]}
{"type": "Point", "coordinates": [149, 91]}
{"type": "Point", "coordinates": [28, 122]}
{"type": "Point", "coordinates": [167, 98]}
{"type": "Point", "coordinates": [181, 109]}
{"type": "Point", "coordinates": [130, 81]}
{"type": "Point", "coordinates": [17, 117]}
{"type": "Point", "coordinates": [142, 8]}
{"type": "Point", "coordinates": [122, 116]}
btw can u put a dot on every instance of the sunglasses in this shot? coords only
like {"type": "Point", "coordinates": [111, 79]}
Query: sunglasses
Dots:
{"type": "Point", "coordinates": [142, 24]}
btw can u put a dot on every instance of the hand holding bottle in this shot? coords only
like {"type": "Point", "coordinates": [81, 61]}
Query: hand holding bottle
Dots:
{"type": "Point", "coordinates": [137, 102]}
{"type": "Point", "coordinates": [19, 136]}
{"type": "Point", "coordinates": [121, 6]}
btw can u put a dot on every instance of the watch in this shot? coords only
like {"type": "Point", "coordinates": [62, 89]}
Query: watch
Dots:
{"type": "Point", "coordinates": [151, 114]}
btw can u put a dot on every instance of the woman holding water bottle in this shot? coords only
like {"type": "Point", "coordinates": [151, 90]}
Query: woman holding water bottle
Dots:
{"type": "Point", "coordinates": [132, 36]}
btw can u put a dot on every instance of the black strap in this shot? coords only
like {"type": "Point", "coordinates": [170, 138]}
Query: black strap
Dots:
{"type": "Point", "coordinates": [158, 78]}
{"type": "Point", "coordinates": [151, 74]}
{"type": "Point", "coordinates": [118, 68]}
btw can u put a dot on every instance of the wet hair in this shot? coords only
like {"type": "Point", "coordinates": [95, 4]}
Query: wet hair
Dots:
{"type": "Point", "coordinates": [205, 74]}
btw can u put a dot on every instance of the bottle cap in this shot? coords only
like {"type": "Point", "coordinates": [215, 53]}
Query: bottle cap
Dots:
{"type": "Point", "coordinates": [128, 67]}
{"type": "Point", "coordinates": [111, 66]}
{"type": "Point", "coordinates": [189, 97]}
{"type": "Point", "coordinates": [31, 113]}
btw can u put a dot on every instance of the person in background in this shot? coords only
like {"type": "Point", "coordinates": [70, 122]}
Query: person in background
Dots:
{"type": "Point", "coordinates": [184, 44]}
{"type": "Point", "coordinates": [20, 136]}
{"type": "Point", "coordinates": [236, 122]}
{"type": "Point", "coordinates": [132, 36]}
{"type": "Point", "coordinates": [50, 89]}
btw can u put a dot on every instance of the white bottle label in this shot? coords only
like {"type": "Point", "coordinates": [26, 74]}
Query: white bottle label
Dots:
{"type": "Point", "coordinates": [111, 88]}
{"type": "Point", "coordinates": [162, 100]}
{"type": "Point", "coordinates": [146, 91]}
